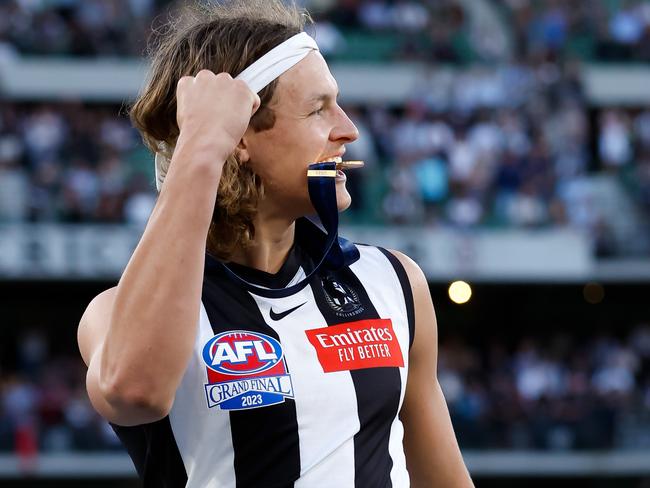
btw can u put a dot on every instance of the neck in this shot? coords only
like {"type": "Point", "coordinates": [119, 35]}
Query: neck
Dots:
{"type": "Point", "coordinates": [270, 248]}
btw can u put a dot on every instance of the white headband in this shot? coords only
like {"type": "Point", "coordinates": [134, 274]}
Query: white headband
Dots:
{"type": "Point", "coordinates": [258, 75]}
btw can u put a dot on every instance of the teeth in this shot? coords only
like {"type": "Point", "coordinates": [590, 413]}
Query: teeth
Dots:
{"type": "Point", "coordinates": [336, 159]}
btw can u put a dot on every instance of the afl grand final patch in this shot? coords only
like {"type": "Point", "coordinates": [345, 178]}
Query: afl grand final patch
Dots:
{"type": "Point", "coordinates": [245, 370]}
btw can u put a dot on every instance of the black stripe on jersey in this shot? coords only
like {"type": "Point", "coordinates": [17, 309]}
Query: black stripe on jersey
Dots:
{"type": "Point", "coordinates": [265, 440]}
{"type": "Point", "coordinates": [406, 288]}
{"type": "Point", "coordinates": [154, 452]}
{"type": "Point", "coordinates": [378, 393]}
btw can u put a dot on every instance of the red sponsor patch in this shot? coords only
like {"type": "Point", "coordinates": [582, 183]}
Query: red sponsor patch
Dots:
{"type": "Point", "coordinates": [363, 344]}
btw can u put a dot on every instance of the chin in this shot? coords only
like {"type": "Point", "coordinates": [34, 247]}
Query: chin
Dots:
{"type": "Point", "coordinates": [343, 200]}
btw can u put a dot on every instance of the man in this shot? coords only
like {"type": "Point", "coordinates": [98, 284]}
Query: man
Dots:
{"type": "Point", "coordinates": [224, 357]}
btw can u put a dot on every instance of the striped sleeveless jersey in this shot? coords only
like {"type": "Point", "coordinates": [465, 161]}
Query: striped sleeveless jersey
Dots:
{"type": "Point", "coordinates": [297, 389]}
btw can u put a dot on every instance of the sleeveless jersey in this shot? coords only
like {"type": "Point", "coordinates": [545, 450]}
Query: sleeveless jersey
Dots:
{"type": "Point", "coordinates": [297, 389]}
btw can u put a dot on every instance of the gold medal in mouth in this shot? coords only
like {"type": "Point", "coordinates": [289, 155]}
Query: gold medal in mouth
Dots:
{"type": "Point", "coordinates": [349, 165]}
{"type": "Point", "coordinates": [340, 164]}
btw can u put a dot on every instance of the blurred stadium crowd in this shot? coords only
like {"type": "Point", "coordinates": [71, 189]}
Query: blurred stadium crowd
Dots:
{"type": "Point", "coordinates": [557, 393]}
{"type": "Point", "coordinates": [509, 142]}
{"type": "Point", "coordinates": [44, 405]}
{"type": "Point", "coordinates": [506, 144]}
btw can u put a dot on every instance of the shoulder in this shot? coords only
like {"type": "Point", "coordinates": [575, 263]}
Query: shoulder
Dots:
{"type": "Point", "coordinates": [415, 275]}
{"type": "Point", "coordinates": [398, 259]}
{"type": "Point", "coordinates": [410, 266]}
{"type": "Point", "coordinates": [425, 328]}
{"type": "Point", "coordinates": [420, 311]}
{"type": "Point", "coordinates": [94, 322]}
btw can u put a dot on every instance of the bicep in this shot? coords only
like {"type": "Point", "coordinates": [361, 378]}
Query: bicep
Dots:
{"type": "Point", "coordinates": [94, 324]}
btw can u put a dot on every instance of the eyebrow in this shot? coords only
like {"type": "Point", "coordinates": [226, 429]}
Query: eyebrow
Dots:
{"type": "Point", "coordinates": [322, 97]}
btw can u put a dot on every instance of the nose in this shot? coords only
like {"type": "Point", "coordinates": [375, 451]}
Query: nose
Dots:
{"type": "Point", "coordinates": [344, 131]}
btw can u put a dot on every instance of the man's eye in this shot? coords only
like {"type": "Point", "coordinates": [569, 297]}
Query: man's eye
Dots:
{"type": "Point", "coordinates": [318, 111]}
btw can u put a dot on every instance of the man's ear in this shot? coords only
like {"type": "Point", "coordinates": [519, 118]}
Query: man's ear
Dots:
{"type": "Point", "coordinates": [241, 151]}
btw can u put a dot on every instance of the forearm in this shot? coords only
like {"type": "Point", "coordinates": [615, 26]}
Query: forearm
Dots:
{"type": "Point", "coordinates": [155, 314]}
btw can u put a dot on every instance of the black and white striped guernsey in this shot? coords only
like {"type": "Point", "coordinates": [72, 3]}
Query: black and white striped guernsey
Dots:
{"type": "Point", "coordinates": [297, 390]}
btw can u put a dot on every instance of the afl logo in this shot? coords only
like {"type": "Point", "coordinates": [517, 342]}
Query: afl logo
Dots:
{"type": "Point", "coordinates": [241, 353]}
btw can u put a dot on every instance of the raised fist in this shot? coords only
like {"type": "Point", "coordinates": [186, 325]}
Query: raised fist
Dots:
{"type": "Point", "coordinates": [215, 109]}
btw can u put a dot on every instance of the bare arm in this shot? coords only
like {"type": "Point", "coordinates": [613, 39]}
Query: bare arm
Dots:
{"type": "Point", "coordinates": [137, 339]}
{"type": "Point", "coordinates": [433, 457]}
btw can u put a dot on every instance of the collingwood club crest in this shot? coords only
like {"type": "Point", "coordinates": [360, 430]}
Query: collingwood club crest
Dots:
{"type": "Point", "coordinates": [341, 298]}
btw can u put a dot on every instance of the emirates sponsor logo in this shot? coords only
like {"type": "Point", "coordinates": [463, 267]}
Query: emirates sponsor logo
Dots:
{"type": "Point", "coordinates": [357, 345]}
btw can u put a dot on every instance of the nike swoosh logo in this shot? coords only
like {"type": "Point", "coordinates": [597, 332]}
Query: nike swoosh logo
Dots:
{"type": "Point", "coordinates": [281, 315]}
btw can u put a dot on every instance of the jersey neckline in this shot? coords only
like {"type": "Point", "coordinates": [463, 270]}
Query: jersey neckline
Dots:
{"type": "Point", "coordinates": [307, 241]}
{"type": "Point", "coordinates": [280, 279]}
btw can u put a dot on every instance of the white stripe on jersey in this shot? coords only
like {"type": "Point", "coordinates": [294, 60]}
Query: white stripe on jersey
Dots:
{"type": "Point", "coordinates": [371, 268]}
{"type": "Point", "coordinates": [326, 423]}
{"type": "Point", "coordinates": [196, 427]}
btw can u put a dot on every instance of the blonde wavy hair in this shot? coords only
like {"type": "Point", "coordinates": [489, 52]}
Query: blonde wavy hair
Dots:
{"type": "Point", "coordinates": [223, 36]}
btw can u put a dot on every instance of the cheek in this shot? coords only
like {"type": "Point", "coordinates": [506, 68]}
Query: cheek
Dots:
{"type": "Point", "coordinates": [285, 182]}
{"type": "Point", "coordinates": [282, 163]}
